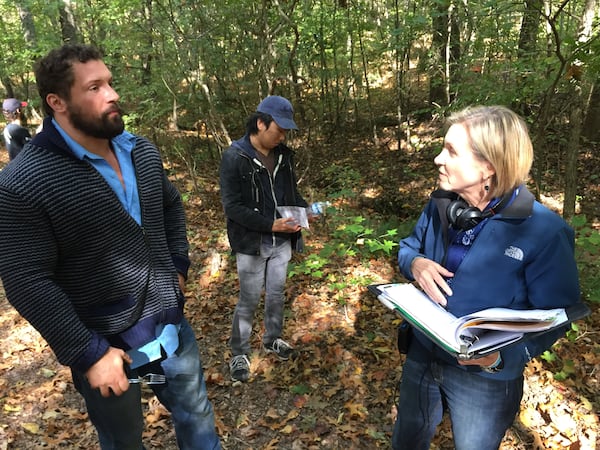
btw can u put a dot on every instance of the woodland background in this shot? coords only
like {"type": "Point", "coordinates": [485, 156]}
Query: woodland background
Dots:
{"type": "Point", "coordinates": [371, 82]}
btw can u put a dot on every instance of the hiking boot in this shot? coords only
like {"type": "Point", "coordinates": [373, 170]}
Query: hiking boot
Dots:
{"type": "Point", "coordinates": [282, 349]}
{"type": "Point", "coordinates": [239, 368]}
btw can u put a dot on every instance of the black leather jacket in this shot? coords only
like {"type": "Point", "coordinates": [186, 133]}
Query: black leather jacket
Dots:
{"type": "Point", "coordinates": [250, 195]}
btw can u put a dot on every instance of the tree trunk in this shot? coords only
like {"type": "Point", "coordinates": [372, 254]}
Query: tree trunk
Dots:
{"type": "Point", "coordinates": [544, 112]}
{"type": "Point", "coordinates": [527, 51]}
{"type": "Point", "coordinates": [439, 49]}
{"type": "Point", "coordinates": [365, 75]}
{"type": "Point", "coordinates": [572, 154]}
{"type": "Point", "coordinates": [147, 57]}
{"type": "Point", "coordinates": [67, 23]}
{"type": "Point", "coordinates": [591, 124]}
{"type": "Point", "coordinates": [401, 61]}
{"type": "Point", "coordinates": [8, 87]}
{"type": "Point", "coordinates": [580, 87]}
{"type": "Point", "coordinates": [27, 24]}
{"type": "Point", "coordinates": [529, 28]}
{"type": "Point", "coordinates": [454, 52]}
{"type": "Point", "coordinates": [294, 77]}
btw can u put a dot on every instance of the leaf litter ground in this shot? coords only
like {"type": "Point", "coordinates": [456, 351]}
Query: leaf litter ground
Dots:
{"type": "Point", "coordinates": [340, 392]}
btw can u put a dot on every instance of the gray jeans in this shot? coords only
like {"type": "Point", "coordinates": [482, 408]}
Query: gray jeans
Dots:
{"type": "Point", "coordinates": [268, 271]}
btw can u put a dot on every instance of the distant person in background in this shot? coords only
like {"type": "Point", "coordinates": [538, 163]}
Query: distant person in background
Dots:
{"type": "Point", "coordinates": [15, 134]}
{"type": "Point", "coordinates": [95, 256]}
{"type": "Point", "coordinates": [257, 175]}
{"type": "Point", "coordinates": [482, 241]}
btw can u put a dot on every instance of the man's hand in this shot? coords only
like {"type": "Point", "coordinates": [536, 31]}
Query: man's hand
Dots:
{"type": "Point", "coordinates": [313, 217]}
{"type": "Point", "coordinates": [431, 277]}
{"type": "Point", "coordinates": [485, 361]}
{"type": "Point", "coordinates": [181, 282]}
{"type": "Point", "coordinates": [285, 225]}
{"type": "Point", "coordinates": [108, 374]}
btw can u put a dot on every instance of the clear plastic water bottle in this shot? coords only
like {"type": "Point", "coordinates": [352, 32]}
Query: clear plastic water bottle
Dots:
{"type": "Point", "coordinates": [318, 208]}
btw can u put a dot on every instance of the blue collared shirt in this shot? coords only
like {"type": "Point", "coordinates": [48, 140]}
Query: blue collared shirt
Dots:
{"type": "Point", "coordinates": [123, 145]}
{"type": "Point", "coordinates": [167, 336]}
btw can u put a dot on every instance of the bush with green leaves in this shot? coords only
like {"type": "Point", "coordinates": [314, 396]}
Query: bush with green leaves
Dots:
{"type": "Point", "coordinates": [353, 237]}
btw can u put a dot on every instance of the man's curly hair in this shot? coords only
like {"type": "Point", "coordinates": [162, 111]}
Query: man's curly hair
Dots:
{"type": "Point", "coordinates": [54, 72]}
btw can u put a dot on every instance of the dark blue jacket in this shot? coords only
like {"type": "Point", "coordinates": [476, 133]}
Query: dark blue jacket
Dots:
{"type": "Point", "coordinates": [15, 137]}
{"type": "Point", "coordinates": [523, 258]}
{"type": "Point", "coordinates": [250, 195]}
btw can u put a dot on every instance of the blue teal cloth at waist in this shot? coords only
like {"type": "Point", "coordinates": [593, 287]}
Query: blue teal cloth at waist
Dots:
{"type": "Point", "coordinates": [167, 339]}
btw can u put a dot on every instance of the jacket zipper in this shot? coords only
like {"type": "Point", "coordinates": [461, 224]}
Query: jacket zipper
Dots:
{"type": "Point", "coordinates": [272, 185]}
{"type": "Point", "coordinates": [254, 183]}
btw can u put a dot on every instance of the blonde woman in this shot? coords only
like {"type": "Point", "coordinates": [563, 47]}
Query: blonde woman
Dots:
{"type": "Point", "coordinates": [482, 241]}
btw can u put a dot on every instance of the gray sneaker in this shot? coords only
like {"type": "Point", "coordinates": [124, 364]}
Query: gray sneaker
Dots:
{"type": "Point", "coordinates": [239, 368]}
{"type": "Point", "coordinates": [282, 349]}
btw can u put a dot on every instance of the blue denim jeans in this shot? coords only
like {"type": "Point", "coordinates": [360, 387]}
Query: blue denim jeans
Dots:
{"type": "Point", "coordinates": [481, 409]}
{"type": "Point", "coordinates": [269, 271]}
{"type": "Point", "coordinates": [119, 421]}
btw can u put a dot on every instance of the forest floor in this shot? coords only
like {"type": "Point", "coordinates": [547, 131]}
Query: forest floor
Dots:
{"type": "Point", "coordinates": [340, 392]}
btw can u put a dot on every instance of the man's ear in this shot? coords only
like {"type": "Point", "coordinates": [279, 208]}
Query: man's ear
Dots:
{"type": "Point", "coordinates": [56, 103]}
{"type": "Point", "coordinates": [260, 125]}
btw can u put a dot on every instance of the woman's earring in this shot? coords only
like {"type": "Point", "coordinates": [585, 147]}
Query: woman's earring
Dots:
{"type": "Point", "coordinates": [486, 187]}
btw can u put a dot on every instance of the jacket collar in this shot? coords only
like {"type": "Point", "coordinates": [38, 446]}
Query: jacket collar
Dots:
{"type": "Point", "coordinates": [244, 146]}
{"type": "Point", "coordinates": [49, 138]}
{"type": "Point", "coordinates": [522, 206]}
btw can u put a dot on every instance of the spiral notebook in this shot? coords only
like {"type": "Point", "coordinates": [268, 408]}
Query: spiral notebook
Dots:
{"type": "Point", "coordinates": [476, 334]}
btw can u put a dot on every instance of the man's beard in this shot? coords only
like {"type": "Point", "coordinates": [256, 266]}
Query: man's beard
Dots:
{"type": "Point", "coordinates": [107, 126]}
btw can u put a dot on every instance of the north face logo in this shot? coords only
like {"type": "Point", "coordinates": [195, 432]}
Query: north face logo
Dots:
{"type": "Point", "coordinates": [514, 252]}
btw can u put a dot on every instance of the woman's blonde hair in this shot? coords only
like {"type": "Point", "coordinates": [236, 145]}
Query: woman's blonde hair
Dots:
{"type": "Point", "coordinates": [500, 137]}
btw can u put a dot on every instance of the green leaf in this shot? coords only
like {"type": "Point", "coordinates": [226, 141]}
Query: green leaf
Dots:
{"type": "Point", "coordinates": [300, 389]}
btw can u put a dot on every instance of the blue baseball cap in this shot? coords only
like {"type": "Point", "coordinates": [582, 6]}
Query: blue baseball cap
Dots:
{"type": "Point", "coordinates": [12, 104]}
{"type": "Point", "coordinates": [280, 109]}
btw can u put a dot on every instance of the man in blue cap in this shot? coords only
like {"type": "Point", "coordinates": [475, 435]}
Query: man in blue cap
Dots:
{"type": "Point", "coordinates": [15, 134]}
{"type": "Point", "coordinates": [257, 176]}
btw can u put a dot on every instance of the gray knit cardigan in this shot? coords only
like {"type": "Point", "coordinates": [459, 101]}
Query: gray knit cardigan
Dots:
{"type": "Point", "coordinates": [75, 264]}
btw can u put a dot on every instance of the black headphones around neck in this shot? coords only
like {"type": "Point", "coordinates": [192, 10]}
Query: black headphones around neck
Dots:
{"type": "Point", "coordinates": [464, 217]}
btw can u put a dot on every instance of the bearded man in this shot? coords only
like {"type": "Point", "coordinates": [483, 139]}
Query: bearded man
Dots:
{"type": "Point", "coordinates": [95, 256]}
